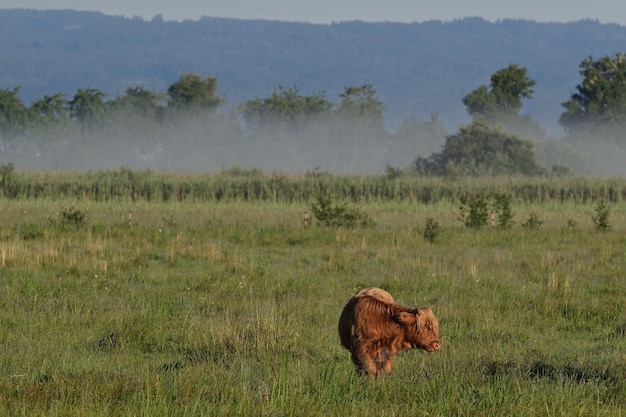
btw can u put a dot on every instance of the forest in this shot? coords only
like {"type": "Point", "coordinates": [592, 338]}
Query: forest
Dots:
{"type": "Point", "coordinates": [190, 128]}
{"type": "Point", "coordinates": [417, 69]}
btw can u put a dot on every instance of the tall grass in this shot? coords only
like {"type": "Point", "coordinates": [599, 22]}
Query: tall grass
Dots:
{"type": "Point", "coordinates": [221, 309]}
{"type": "Point", "coordinates": [125, 185]}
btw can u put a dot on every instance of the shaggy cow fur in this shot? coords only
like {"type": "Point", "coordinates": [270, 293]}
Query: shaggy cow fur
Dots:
{"type": "Point", "coordinates": [373, 328]}
{"type": "Point", "coordinates": [377, 293]}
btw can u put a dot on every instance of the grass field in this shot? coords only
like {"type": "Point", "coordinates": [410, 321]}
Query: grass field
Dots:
{"type": "Point", "coordinates": [222, 309]}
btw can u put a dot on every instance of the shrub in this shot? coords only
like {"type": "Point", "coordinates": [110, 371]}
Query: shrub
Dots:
{"type": "Point", "coordinates": [601, 217]}
{"type": "Point", "coordinates": [480, 149]}
{"type": "Point", "coordinates": [474, 211]}
{"type": "Point", "coordinates": [431, 230]}
{"type": "Point", "coordinates": [502, 207]}
{"type": "Point", "coordinates": [338, 215]}
{"type": "Point", "coordinates": [69, 216]}
{"type": "Point", "coordinates": [533, 222]}
{"type": "Point", "coordinates": [392, 172]}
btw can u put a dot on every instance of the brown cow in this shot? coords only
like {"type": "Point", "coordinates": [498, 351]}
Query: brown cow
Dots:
{"type": "Point", "coordinates": [373, 328]}
{"type": "Point", "coordinates": [377, 293]}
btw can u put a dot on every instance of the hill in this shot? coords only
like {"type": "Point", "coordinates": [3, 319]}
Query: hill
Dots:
{"type": "Point", "coordinates": [416, 69]}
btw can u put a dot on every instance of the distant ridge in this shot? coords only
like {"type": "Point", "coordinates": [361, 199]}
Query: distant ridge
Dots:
{"type": "Point", "coordinates": [416, 68]}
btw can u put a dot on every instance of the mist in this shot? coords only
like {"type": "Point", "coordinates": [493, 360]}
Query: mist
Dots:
{"type": "Point", "coordinates": [213, 143]}
{"type": "Point", "coordinates": [216, 142]}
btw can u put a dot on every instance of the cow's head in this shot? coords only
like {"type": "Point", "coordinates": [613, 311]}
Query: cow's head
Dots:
{"type": "Point", "coordinates": [421, 329]}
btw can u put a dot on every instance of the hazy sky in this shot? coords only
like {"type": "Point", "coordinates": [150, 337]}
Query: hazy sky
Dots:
{"type": "Point", "coordinates": [326, 11]}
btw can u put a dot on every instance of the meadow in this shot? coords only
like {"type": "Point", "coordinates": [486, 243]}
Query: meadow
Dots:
{"type": "Point", "coordinates": [204, 306]}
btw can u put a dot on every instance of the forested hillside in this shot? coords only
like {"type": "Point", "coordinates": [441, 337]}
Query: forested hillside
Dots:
{"type": "Point", "coordinates": [416, 69]}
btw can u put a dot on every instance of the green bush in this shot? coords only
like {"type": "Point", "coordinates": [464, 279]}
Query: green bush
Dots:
{"type": "Point", "coordinates": [474, 211]}
{"type": "Point", "coordinates": [533, 222]}
{"type": "Point", "coordinates": [431, 230]}
{"type": "Point", "coordinates": [69, 217]}
{"type": "Point", "coordinates": [338, 215]}
{"type": "Point", "coordinates": [601, 217]}
{"type": "Point", "coordinates": [391, 172]}
{"type": "Point", "coordinates": [502, 208]}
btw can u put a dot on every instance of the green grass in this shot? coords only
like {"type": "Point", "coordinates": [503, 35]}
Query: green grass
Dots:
{"type": "Point", "coordinates": [221, 309]}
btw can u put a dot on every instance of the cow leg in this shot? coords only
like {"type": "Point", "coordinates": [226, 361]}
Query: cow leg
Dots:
{"type": "Point", "coordinates": [383, 360]}
{"type": "Point", "coordinates": [372, 360]}
{"type": "Point", "coordinates": [358, 364]}
{"type": "Point", "coordinates": [369, 366]}
{"type": "Point", "coordinates": [388, 361]}
{"type": "Point", "coordinates": [382, 357]}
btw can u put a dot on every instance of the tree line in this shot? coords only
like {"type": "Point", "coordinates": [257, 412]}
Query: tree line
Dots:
{"type": "Point", "coordinates": [189, 127]}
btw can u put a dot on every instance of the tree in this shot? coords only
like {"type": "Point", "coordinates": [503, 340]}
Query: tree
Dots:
{"type": "Point", "coordinates": [48, 120]}
{"type": "Point", "coordinates": [480, 102]}
{"type": "Point", "coordinates": [502, 102]}
{"type": "Point", "coordinates": [480, 149]}
{"type": "Point", "coordinates": [284, 108]}
{"type": "Point", "coordinates": [138, 102]}
{"type": "Point", "coordinates": [88, 108]}
{"type": "Point", "coordinates": [49, 110]}
{"type": "Point", "coordinates": [134, 124]}
{"type": "Point", "coordinates": [12, 116]}
{"type": "Point", "coordinates": [193, 92]}
{"type": "Point", "coordinates": [508, 87]}
{"type": "Point", "coordinates": [359, 128]}
{"type": "Point", "coordinates": [601, 96]}
{"type": "Point", "coordinates": [360, 104]}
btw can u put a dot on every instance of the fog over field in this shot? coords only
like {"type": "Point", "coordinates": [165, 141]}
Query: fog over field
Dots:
{"type": "Point", "coordinates": [212, 144]}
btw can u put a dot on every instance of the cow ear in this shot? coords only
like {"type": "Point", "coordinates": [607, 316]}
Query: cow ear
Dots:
{"type": "Point", "coordinates": [405, 318]}
{"type": "Point", "coordinates": [424, 310]}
